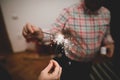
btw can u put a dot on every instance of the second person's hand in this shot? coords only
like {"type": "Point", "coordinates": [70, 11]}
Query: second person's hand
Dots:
{"type": "Point", "coordinates": [51, 72]}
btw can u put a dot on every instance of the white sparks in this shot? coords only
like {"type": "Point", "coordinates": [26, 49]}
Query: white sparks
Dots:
{"type": "Point", "coordinates": [59, 39]}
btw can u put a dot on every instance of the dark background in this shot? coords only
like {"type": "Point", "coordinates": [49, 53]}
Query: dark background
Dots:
{"type": "Point", "coordinates": [113, 6]}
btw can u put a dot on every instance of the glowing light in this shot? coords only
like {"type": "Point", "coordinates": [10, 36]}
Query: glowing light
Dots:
{"type": "Point", "coordinates": [59, 39]}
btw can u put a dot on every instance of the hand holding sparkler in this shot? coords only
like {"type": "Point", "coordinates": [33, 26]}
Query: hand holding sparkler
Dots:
{"type": "Point", "coordinates": [31, 32]}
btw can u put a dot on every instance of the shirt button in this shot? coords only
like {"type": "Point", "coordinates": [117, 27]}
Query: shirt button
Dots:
{"type": "Point", "coordinates": [69, 63]}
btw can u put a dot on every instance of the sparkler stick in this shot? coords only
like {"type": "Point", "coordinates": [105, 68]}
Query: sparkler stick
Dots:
{"type": "Point", "coordinates": [64, 38]}
{"type": "Point", "coordinates": [47, 33]}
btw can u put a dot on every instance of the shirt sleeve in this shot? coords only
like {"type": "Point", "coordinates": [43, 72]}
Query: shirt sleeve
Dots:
{"type": "Point", "coordinates": [60, 22]}
{"type": "Point", "coordinates": [108, 38]}
{"type": "Point", "coordinates": [58, 25]}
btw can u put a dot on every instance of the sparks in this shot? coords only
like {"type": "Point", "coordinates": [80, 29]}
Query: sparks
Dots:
{"type": "Point", "coordinates": [59, 39]}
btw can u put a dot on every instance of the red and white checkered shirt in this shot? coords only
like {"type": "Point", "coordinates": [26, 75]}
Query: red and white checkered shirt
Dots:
{"type": "Point", "coordinates": [91, 30]}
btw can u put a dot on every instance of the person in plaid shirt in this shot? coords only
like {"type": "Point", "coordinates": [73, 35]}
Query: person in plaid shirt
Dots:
{"type": "Point", "coordinates": [86, 26]}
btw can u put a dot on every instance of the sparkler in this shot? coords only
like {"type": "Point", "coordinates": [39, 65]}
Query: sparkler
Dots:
{"type": "Point", "coordinates": [66, 38]}
{"type": "Point", "coordinates": [61, 40]}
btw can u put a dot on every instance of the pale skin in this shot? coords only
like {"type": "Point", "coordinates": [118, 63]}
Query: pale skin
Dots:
{"type": "Point", "coordinates": [110, 48]}
{"type": "Point", "coordinates": [51, 72]}
{"type": "Point", "coordinates": [30, 31]}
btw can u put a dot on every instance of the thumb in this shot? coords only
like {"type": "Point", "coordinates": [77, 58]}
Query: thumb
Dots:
{"type": "Point", "coordinates": [49, 67]}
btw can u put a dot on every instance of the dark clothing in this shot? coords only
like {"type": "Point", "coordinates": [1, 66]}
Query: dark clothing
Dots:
{"type": "Point", "coordinates": [4, 75]}
{"type": "Point", "coordinates": [112, 5]}
{"type": "Point", "coordinates": [73, 70]}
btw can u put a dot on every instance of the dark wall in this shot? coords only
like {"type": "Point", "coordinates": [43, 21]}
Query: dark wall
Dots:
{"type": "Point", "coordinates": [113, 6]}
{"type": "Point", "coordinates": [5, 46]}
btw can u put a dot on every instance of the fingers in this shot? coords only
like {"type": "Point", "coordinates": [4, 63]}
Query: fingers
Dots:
{"type": "Point", "coordinates": [60, 72]}
{"type": "Point", "coordinates": [54, 75]}
{"type": "Point", "coordinates": [31, 31]}
{"type": "Point", "coordinates": [30, 28]}
{"type": "Point", "coordinates": [49, 67]}
{"type": "Point", "coordinates": [110, 50]}
{"type": "Point", "coordinates": [24, 33]}
{"type": "Point", "coordinates": [35, 29]}
{"type": "Point", "coordinates": [57, 69]}
{"type": "Point", "coordinates": [55, 66]}
{"type": "Point", "coordinates": [27, 29]}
